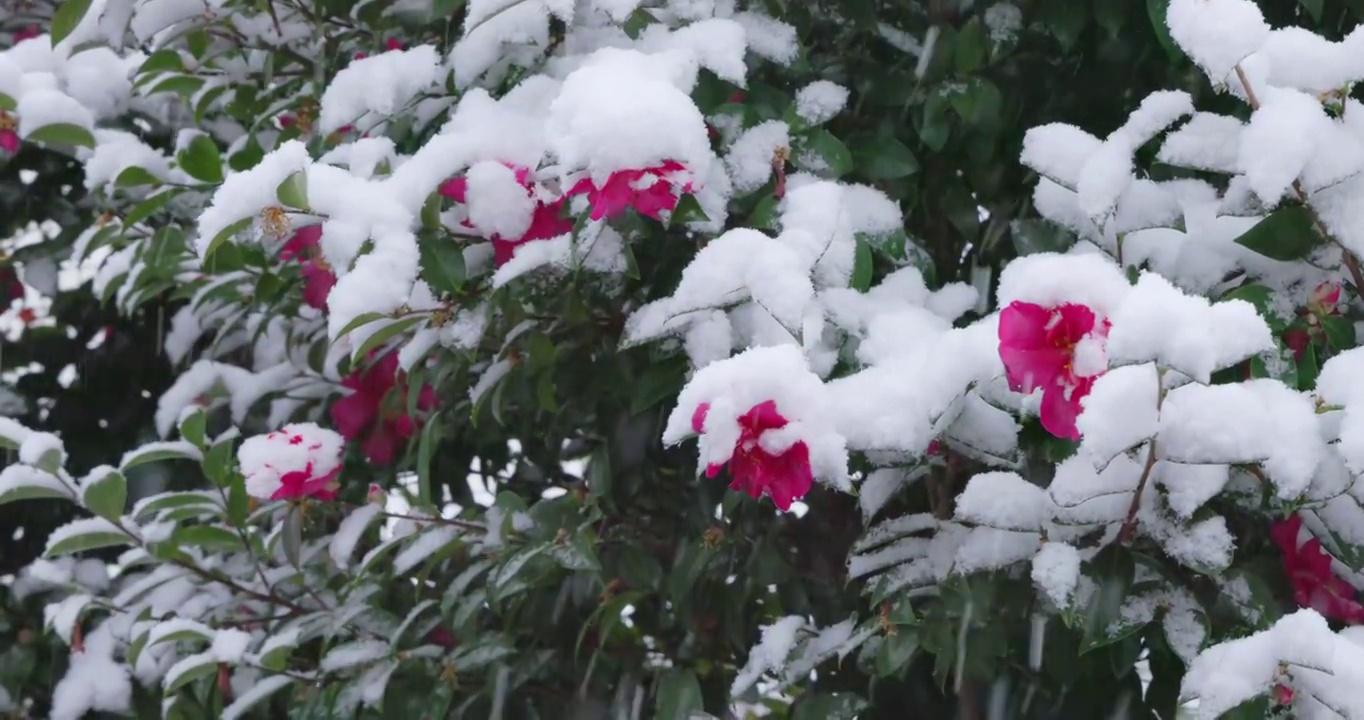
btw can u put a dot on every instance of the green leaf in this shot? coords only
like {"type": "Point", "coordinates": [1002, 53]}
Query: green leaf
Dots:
{"type": "Point", "coordinates": [238, 501]}
{"type": "Point", "coordinates": [637, 21]}
{"type": "Point", "coordinates": [576, 554]}
{"type": "Point", "coordinates": [223, 236]}
{"type": "Point", "coordinates": [293, 192]}
{"type": "Point", "coordinates": [896, 651]}
{"type": "Point", "coordinates": [972, 46]}
{"type": "Point", "coordinates": [202, 160]}
{"type": "Point", "coordinates": [361, 319]}
{"type": "Point", "coordinates": [679, 695]}
{"type": "Point", "coordinates": [133, 176]}
{"type": "Point", "coordinates": [32, 492]}
{"type": "Point", "coordinates": [1263, 300]}
{"type": "Point", "coordinates": [1313, 8]}
{"type": "Point", "coordinates": [188, 675]}
{"type": "Point", "coordinates": [1285, 234]}
{"type": "Point", "coordinates": [936, 125]}
{"type": "Point", "coordinates": [172, 500]}
{"type": "Point", "coordinates": [1278, 364]}
{"type": "Point", "coordinates": [7, 103]}
{"type": "Point", "coordinates": [106, 496]}
{"type": "Point", "coordinates": [67, 18]}
{"type": "Point", "coordinates": [383, 334]}
{"type": "Point", "coordinates": [292, 536]}
{"type": "Point", "coordinates": [660, 381]}
{"type": "Point", "coordinates": [160, 61]}
{"type": "Point", "coordinates": [1308, 368]}
{"type": "Point", "coordinates": [218, 463]}
{"type": "Point", "coordinates": [862, 267]}
{"type": "Point", "coordinates": [1156, 10]}
{"type": "Point", "coordinates": [1112, 571]}
{"type": "Point", "coordinates": [884, 157]}
{"type": "Point", "coordinates": [442, 262]}
{"type": "Point", "coordinates": [144, 209]}
{"type": "Point", "coordinates": [183, 85]}
{"type": "Point", "coordinates": [1111, 15]}
{"type": "Point", "coordinates": [210, 537]}
{"type": "Point", "coordinates": [980, 104]}
{"type": "Point", "coordinates": [1340, 332]}
{"type": "Point", "coordinates": [142, 456]}
{"type": "Point", "coordinates": [93, 540]}
{"type": "Point", "coordinates": [62, 134]}
{"type": "Point", "coordinates": [688, 210]}
{"type": "Point", "coordinates": [832, 151]}
{"type": "Point", "coordinates": [426, 448]}
{"type": "Point", "coordinates": [1035, 235]}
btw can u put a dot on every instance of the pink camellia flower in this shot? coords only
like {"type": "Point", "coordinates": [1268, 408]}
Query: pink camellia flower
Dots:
{"type": "Point", "coordinates": [1324, 299]}
{"type": "Point", "coordinates": [547, 221]}
{"type": "Point", "coordinates": [1309, 570]}
{"type": "Point", "coordinates": [9, 135]}
{"type": "Point", "coordinates": [376, 495]}
{"type": "Point", "coordinates": [649, 191]}
{"type": "Point", "coordinates": [299, 460]}
{"type": "Point", "coordinates": [28, 33]}
{"type": "Point", "coordinates": [377, 408]}
{"type": "Point", "coordinates": [785, 476]}
{"type": "Point", "coordinates": [1038, 347]}
{"type": "Point", "coordinates": [318, 278]}
{"type": "Point", "coordinates": [11, 287]}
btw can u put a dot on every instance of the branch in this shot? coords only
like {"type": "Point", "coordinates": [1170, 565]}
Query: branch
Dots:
{"type": "Point", "coordinates": [1348, 258]}
{"type": "Point", "coordinates": [1129, 526]}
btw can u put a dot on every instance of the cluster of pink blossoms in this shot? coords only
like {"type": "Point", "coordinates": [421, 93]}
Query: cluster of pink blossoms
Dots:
{"type": "Point", "coordinates": [650, 191]}
{"type": "Point", "coordinates": [1309, 570]}
{"type": "Point", "coordinates": [318, 278]}
{"type": "Point", "coordinates": [1038, 347]}
{"type": "Point", "coordinates": [376, 409]}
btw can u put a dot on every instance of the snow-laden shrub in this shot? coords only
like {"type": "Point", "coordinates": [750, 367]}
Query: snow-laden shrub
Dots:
{"type": "Point", "coordinates": [384, 250]}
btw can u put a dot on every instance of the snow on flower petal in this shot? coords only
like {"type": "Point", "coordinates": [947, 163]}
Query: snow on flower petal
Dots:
{"type": "Point", "coordinates": [298, 460]}
{"type": "Point", "coordinates": [762, 413]}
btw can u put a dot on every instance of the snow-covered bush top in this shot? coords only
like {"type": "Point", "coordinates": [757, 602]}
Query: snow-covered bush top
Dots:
{"type": "Point", "coordinates": [376, 241]}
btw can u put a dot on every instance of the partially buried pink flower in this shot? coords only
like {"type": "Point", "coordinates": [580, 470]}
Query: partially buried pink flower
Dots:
{"type": "Point", "coordinates": [318, 278]}
{"type": "Point", "coordinates": [28, 33]}
{"type": "Point", "coordinates": [649, 191]}
{"type": "Point", "coordinates": [377, 408]}
{"type": "Point", "coordinates": [547, 221]}
{"type": "Point", "coordinates": [1038, 346]}
{"type": "Point", "coordinates": [9, 137]}
{"type": "Point", "coordinates": [1315, 585]}
{"type": "Point", "coordinates": [299, 460]}
{"type": "Point", "coordinates": [785, 476]}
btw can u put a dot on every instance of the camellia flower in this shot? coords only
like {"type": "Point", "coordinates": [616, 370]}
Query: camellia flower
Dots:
{"type": "Point", "coordinates": [1323, 302]}
{"type": "Point", "coordinates": [28, 33]}
{"type": "Point", "coordinates": [1056, 349]}
{"type": "Point", "coordinates": [1324, 299]}
{"type": "Point", "coordinates": [1309, 570]}
{"type": "Point", "coordinates": [785, 475]}
{"type": "Point", "coordinates": [11, 288]}
{"type": "Point", "coordinates": [375, 411]}
{"type": "Point", "coordinates": [318, 278]}
{"type": "Point", "coordinates": [547, 220]}
{"type": "Point", "coordinates": [299, 460]}
{"type": "Point", "coordinates": [9, 135]}
{"type": "Point", "coordinates": [649, 191]}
